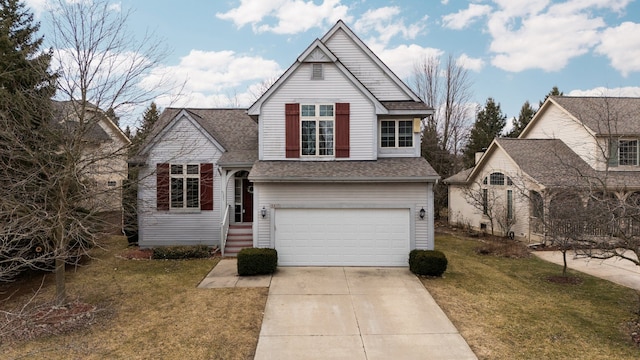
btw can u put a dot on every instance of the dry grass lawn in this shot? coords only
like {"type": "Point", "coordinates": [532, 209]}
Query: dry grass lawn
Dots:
{"type": "Point", "coordinates": [506, 309]}
{"type": "Point", "coordinates": [148, 309]}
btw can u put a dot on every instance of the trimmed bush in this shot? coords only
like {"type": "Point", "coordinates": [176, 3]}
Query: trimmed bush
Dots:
{"type": "Point", "coordinates": [181, 252]}
{"type": "Point", "coordinates": [427, 262]}
{"type": "Point", "coordinates": [255, 261]}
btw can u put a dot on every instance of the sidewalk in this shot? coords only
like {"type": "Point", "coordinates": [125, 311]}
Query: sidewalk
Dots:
{"type": "Point", "coordinates": [621, 272]}
{"type": "Point", "coordinates": [225, 274]}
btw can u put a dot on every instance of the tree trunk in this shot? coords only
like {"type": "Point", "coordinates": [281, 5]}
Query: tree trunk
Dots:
{"type": "Point", "coordinates": [61, 292]}
{"type": "Point", "coordinates": [564, 259]}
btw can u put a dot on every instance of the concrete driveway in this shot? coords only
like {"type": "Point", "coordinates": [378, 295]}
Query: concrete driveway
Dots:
{"type": "Point", "coordinates": [355, 313]}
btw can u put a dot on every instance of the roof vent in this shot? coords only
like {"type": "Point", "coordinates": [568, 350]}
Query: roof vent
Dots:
{"type": "Point", "coordinates": [317, 73]}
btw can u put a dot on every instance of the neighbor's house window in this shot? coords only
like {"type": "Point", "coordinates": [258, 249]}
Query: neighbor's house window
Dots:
{"type": "Point", "coordinates": [317, 129]}
{"type": "Point", "coordinates": [396, 133]}
{"type": "Point", "coordinates": [628, 152]}
{"type": "Point", "coordinates": [185, 186]}
{"type": "Point", "coordinates": [485, 201]}
{"type": "Point", "coordinates": [623, 152]}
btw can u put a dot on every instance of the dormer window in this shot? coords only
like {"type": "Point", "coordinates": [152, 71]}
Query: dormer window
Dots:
{"type": "Point", "coordinates": [624, 152]}
{"type": "Point", "coordinates": [317, 72]}
{"type": "Point", "coordinates": [396, 133]}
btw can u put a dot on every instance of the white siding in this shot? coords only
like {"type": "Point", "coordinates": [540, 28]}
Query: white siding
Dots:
{"type": "Point", "coordinates": [556, 124]}
{"type": "Point", "coordinates": [299, 88]}
{"type": "Point", "coordinates": [364, 68]}
{"type": "Point", "coordinates": [399, 195]}
{"type": "Point", "coordinates": [183, 143]}
{"type": "Point", "coordinates": [462, 211]}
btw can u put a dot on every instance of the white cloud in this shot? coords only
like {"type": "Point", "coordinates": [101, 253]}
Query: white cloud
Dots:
{"type": "Point", "coordinates": [469, 63]}
{"type": "Point", "coordinates": [384, 21]}
{"type": "Point", "coordinates": [218, 71]}
{"type": "Point", "coordinates": [621, 45]}
{"type": "Point", "coordinates": [211, 79]}
{"type": "Point", "coordinates": [628, 91]}
{"type": "Point", "coordinates": [117, 7]}
{"type": "Point", "coordinates": [291, 16]}
{"type": "Point", "coordinates": [401, 59]}
{"type": "Point", "coordinates": [465, 17]}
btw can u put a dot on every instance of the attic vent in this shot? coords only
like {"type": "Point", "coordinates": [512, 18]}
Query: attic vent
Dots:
{"type": "Point", "coordinates": [317, 73]}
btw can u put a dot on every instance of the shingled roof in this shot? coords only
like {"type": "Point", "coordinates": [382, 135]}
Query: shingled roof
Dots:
{"type": "Point", "coordinates": [232, 128]}
{"type": "Point", "coordinates": [386, 169]}
{"type": "Point", "coordinates": [552, 164]}
{"type": "Point", "coordinates": [604, 115]}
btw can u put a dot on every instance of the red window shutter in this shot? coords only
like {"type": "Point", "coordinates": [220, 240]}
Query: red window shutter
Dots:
{"type": "Point", "coordinates": [292, 130]}
{"type": "Point", "coordinates": [206, 186]}
{"type": "Point", "coordinates": [342, 130]}
{"type": "Point", "coordinates": [162, 186]}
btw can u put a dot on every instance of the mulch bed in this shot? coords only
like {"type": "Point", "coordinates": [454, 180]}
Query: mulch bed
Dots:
{"type": "Point", "coordinates": [44, 320]}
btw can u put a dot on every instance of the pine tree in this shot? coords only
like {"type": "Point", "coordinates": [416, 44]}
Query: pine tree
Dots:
{"type": "Point", "coordinates": [149, 118]}
{"type": "Point", "coordinates": [26, 85]}
{"type": "Point", "coordinates": [490, 121]}
{"type": "Point", "coordinates": [523, 119]}
{"type": "Point", "coordinates": [554, 92]}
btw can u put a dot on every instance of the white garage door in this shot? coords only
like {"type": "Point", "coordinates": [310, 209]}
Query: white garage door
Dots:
{"type": "Point", "coordinates": [342, 237]}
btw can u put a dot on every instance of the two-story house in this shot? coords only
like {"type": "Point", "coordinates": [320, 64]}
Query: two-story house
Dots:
{"type": "Point", "coordinates": [582, 146]}
{"type": "Point", "coordinates": [325, 166]}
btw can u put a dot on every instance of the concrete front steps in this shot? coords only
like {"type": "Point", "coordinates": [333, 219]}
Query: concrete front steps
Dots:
{"type": "Point", "coordinates": [240, 236]}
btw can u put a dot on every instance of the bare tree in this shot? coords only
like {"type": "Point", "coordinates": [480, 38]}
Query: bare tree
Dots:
{"type": "Point", "coordinates": [55, 193]}
{"type": "Point", "coordinates": [446, 87]}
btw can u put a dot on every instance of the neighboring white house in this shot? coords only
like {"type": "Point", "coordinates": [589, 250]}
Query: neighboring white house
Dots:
{"type": "Point", "coordinates": [571, 142]}
{"type": "Point", "coordinates": [325, 166]}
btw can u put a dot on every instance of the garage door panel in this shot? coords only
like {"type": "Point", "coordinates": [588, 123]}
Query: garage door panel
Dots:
{"type": "Point", "coordinates": [355, 237]}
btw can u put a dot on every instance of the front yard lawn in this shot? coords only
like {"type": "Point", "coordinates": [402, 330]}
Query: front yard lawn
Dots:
{"type": "Point", "coordinates": [146, 309]}
{"type": "Point", "coordinates": [507, 309]}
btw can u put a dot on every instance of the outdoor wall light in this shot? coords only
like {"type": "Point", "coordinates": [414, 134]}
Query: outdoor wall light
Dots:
{"type": "Point", "coordinates": [263, 212]}
{"type": "Point", "coordinates": [422, 214]}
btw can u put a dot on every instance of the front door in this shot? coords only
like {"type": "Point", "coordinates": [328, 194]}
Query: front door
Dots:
{"type": "Point", "coordinates": [247, 201]}
{"type": "Point", "coordinates": [243, 198]}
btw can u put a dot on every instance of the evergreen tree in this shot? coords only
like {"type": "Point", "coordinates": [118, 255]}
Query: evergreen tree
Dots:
{"type": "Point", "coordinates": [26, 85]}
{"type": "Point", "coordinates": [149, 118]}
{"type": "Point", "coordinates": [554, 92]}
{"type": "Point", "coordinates": [523, 119]}
{"type": "Point", "coordinates": [490, 121]}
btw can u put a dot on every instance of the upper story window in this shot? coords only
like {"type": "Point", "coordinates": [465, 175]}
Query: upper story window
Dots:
{"type": "Point", "coordinates": [317, 129]}
{"type": "Point", "coordinates": [396, 133]}
{"type": "Point", "coordinates": [185, 186]}
{"type": "Point", "coordinates": [623, 152]}
{"type": "Point", "coordinates": [497, 178]}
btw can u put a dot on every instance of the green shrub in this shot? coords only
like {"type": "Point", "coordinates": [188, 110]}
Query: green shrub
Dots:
{"type": "Point", "coordinates": [427, 262]}
{"type": "Point", "coordinates": [181, 252]}
{"type": "Point", "coordinates": [254, 261]}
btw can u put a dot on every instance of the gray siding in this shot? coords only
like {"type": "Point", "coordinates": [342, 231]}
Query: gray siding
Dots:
{"type": "Point", "coordinates": [411, 196]}
{"type": "Point", "coordinates": [299, 88]}
{"type": "Point", "coordinates": [363, 67]}
{"type": "Point", "coordinates": [183, 143]}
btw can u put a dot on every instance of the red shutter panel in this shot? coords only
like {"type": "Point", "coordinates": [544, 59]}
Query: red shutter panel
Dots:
{"type": "Point", "coordinates": [292, 130]}
{"type": "Point", "coordinates": [342, 130]}
{"type": "Point", "coordinates": [206, 186]}
{"type": "Point", "coordinates": [162, 186]}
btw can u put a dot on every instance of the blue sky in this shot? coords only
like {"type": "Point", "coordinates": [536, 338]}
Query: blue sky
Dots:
{"type": "Point", "coordinates": [515, 50]}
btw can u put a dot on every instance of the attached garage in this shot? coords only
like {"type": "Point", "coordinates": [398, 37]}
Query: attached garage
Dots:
{"type": "Point", "coordinates": [342, 236]}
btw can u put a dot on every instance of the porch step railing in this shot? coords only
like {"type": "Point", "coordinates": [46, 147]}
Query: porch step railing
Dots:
{"type": "Point", "coordinates": [224, 229]}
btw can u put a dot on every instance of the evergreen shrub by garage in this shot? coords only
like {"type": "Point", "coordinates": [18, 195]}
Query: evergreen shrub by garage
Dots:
{"type": "Point", "coordinates": [427, 262]}
{"type": "Point", "coordinates": [256, 261]}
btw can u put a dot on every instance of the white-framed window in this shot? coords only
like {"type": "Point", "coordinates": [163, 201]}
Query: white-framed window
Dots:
{"type": "Point", "coordinates": [396, 133]}
{"type": "Point", "coordinates": [628, 152]}
{"type": "Point", "coordinates": [185, 186]}
{"type": "Point", "coordinates": [317, 129]}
